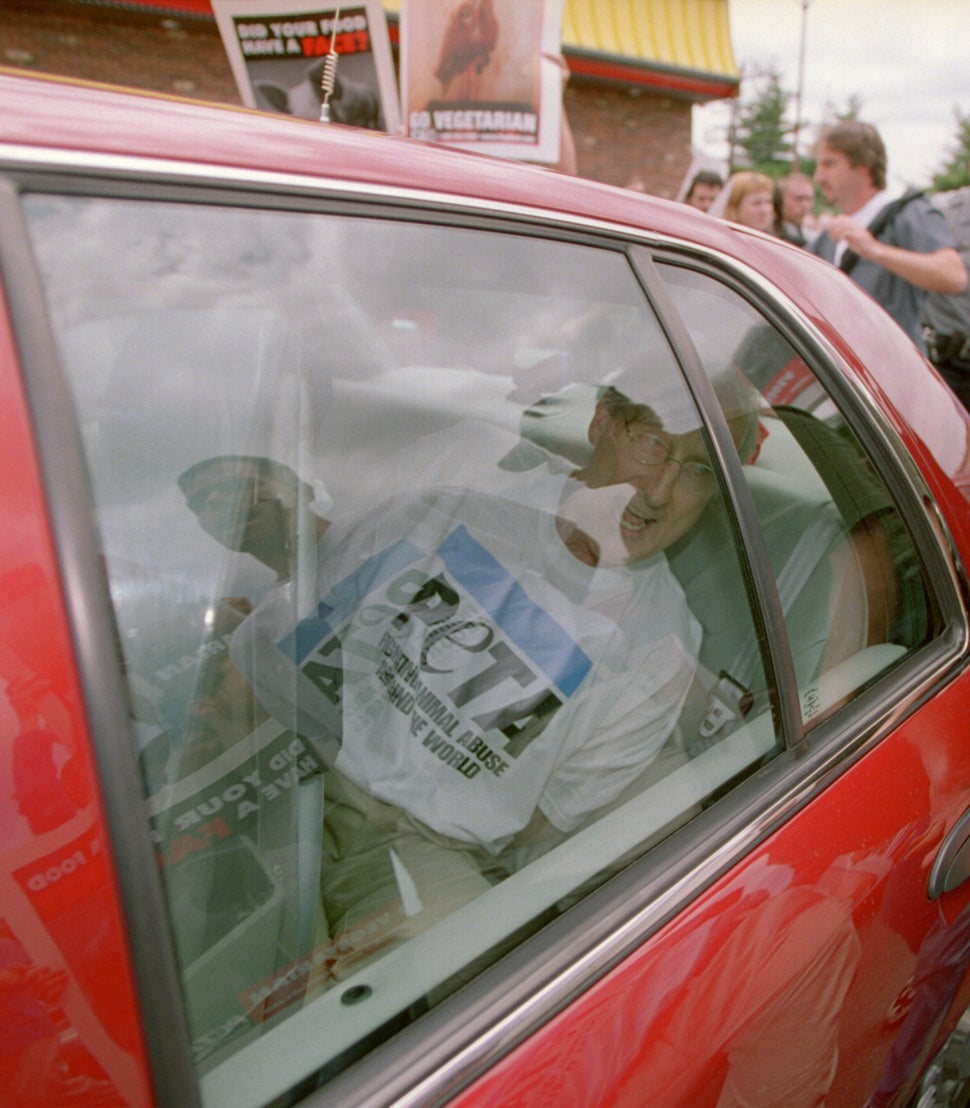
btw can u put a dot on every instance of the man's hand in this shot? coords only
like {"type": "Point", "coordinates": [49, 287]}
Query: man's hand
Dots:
{"type": "Point", "coordinates": [941, 271]}
{"type": "Point", "coordinates": [856, 237]}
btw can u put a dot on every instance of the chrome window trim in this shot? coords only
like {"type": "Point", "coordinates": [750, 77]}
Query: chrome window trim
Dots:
{"type": "Point", "coordinates": [91, 624]}
{"type": "Point", "coordinates": [429, 1061]}
{"type": "Point", "coordinates": [767, 616]}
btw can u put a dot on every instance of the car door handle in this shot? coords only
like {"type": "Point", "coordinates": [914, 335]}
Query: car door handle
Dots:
{"type": "Point", "coordinates": [952, 865]}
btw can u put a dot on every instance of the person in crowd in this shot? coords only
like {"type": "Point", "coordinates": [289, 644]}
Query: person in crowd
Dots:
{"type": "Point", "coordinates": [747, 199]}
{"type": "Point", "coordinates": [897, 250]}
{"type": "Point", "coordinates": [250, 505]}
{"type": "Point", "coordinates": [482, 673]}
{"type": "Point", "coordinates": [794, 196]}
{"type": "Point", "coordinates": [703, 190]}
{"type": "Point", "coordinates": [946, 318]}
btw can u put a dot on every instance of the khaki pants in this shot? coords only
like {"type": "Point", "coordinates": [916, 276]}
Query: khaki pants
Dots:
{"type": "Point", "coordinates": [385, 877]}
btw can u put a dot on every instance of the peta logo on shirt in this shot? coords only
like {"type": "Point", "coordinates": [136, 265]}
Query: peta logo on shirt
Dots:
{"type": "Point", "coordinates": [444, 653]}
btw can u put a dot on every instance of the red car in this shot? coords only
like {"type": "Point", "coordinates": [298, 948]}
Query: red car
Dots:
{"type": "Point", "coordinates": [467, 635]}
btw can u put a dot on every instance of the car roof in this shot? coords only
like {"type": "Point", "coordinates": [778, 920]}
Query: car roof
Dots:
{"type": "Point", "coordinates": [66, 114]}
{"type": "Point", "coordinates": [108, 122]}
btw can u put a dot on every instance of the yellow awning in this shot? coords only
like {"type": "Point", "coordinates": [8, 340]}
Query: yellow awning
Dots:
{"type": "Point", "coordinates": [686, 34]}
{"type": "Point", "coordinates": [677, 46]}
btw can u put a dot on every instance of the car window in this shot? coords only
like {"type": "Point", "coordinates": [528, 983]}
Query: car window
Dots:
{"type": "Point", "coordinates": [408, 530]}
{"type": "Point", "coordinates": [850, 582]}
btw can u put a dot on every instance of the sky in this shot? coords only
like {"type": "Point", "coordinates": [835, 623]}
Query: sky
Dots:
{"type": "Point", "coordinates": [906, 60]}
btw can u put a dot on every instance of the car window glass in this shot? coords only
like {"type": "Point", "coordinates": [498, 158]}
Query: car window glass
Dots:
{"type": "Point", "coordinates": [849, 578]}
{"type": "Point", "coordinates": [395, 520]}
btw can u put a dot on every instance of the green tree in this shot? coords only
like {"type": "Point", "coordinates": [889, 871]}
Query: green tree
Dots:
{"type": "Point", "coordinates": [852, 110]}
{"type": "Point", "coordinates": [955, 173]}
{"type": "Point", "coordinates": [760, 138]}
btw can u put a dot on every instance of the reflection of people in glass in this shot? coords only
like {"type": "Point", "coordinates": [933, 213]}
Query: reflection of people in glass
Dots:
{"type": "Point", "coordinates": [746, 1006]}
{"type": "Point", "coordinates": [48, 784]}
{"type": "Point", "coordinates": [254, 506]}
{"type": "Point", "coordinates": [34, 1065]}
{"type": "Point", "coordinates": [485, 671]}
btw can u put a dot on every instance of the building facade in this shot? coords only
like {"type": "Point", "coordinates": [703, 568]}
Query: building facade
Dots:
{"type": "Point", "coordinates": [636, 67]}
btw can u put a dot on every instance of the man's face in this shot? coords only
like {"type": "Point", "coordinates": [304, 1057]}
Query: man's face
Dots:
{"type": "Point", "coordinates": [797, 201]}
{"type": "Point", "coordinates": [843, 185]}
{"type": "Point", "coordinates": [703, 196]}
{"type": "Point", "coordinates": [631, 506]}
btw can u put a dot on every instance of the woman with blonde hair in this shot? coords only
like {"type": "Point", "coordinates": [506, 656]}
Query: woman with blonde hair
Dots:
{"type": "Point", "coordinates": [748, 199]}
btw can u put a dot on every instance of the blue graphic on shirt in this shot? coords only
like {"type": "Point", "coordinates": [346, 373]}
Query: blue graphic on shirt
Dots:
{"type": "Point", "coordinates": [537, 634]}
{"type": "Point", "coordinates": [340, 603]}
{"type": "Point", "coordinates": [532, 629]}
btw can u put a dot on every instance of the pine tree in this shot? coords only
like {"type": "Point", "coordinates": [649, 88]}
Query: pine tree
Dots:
{"type": "Point", "coordinates": [761, 130]}
{"type": "Point", "coordinates": [955, 173]}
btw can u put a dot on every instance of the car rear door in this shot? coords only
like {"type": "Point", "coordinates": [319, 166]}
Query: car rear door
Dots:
{"type": "Point", "coordinates": [371, 347]}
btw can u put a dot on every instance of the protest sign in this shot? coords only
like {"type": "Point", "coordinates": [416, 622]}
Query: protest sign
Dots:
{"type": "Point", "coordinates": [238, 843]}
{"type": "Point", "coordinates": [484, 75]}
{"type": "Point", "coordinates": [278, 50]}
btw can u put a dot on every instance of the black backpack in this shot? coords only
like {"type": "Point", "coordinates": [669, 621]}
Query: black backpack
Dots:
{"type": "Point", "coordinates": [882, 222]}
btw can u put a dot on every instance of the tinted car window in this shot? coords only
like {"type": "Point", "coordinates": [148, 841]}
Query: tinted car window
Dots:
{"type": "Point", "coordinates": [852, 588]}
{"type": "Point", "coordinates": [397, 521]}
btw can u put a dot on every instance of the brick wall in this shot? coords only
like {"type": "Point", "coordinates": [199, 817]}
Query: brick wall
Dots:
{"type": "Point", "coordinates": [630, 138]}
{"type": "Point", "coordinates": [99, 43]}
{"type": "Point", "coordinates": [624, 136]}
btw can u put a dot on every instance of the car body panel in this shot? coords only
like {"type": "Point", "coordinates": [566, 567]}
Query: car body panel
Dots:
{"type": "Point", "coordinates": [60, 903]}
{"type": "Point", "coordinates": [829, 972]}
{"type": "Point", "coordinates": [852, 979]}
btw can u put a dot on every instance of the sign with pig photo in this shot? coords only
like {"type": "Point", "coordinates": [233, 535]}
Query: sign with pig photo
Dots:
{"type": "Point", "coordinates": [484, 75]}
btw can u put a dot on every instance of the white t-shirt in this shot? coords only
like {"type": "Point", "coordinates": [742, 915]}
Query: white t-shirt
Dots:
{"type": "Point", "coordinates": [864, 216]}
{"type": "Point", "coordinates": [469, 669]}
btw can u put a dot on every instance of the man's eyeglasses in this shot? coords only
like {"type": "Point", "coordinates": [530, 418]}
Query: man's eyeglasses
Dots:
{"type": "Point", "coordinates": [650, 449]}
